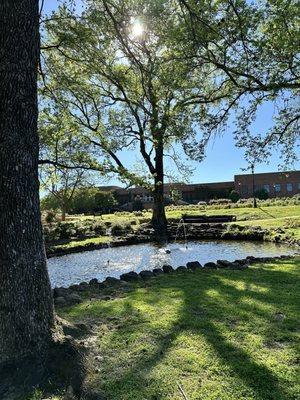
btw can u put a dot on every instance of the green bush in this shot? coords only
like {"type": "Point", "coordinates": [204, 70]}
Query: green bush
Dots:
{"type": "Point", "coordinates": [50, 217]}
{"type": "Point", "coordinates": [234, 196]}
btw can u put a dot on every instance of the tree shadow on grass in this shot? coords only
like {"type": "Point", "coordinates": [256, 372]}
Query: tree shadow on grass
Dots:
{"type": "Point", "coordinates": [207, 301]}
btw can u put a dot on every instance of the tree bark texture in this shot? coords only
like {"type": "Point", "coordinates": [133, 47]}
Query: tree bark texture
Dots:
{"type": "Point", "coordinates": [159, 220]}
{"type": "Point", "coordinates": [26, 307]}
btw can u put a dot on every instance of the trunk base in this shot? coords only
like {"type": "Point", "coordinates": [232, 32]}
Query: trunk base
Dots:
{"type": "Point", "coordinates": [63, 366]}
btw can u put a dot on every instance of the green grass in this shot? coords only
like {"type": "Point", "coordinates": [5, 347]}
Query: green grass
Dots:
{"type": "Point", "coordinates": [219, 335]}
{"type": "Point", "coordinates": [84, 242]}
{"type": "Point", "coordinates": [272, 217]}
{"type": "Point", "coordinates": [242, 214]}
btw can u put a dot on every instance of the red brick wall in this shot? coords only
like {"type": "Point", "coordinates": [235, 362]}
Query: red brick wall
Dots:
{"type": "Point", "coordinates": [279, 184]}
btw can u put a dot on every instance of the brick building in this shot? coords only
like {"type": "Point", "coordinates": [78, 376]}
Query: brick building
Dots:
{"type": "Point", "coordinates": [277, 184]}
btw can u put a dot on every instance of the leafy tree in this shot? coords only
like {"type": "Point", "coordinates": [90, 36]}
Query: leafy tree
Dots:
{"type": "Point", "coordinates": [92, 200]}
{"type": "Point", "coordinates": [64, 160]}
{"type": "Point", "coordinates": [118, 74]}
{"type": "Point", "coordinates": [26, 308]}
{"type": "Point", "coordinates": [253, 47]}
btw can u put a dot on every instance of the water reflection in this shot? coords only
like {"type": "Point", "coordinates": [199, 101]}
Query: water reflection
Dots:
{"type": "Point", "coordinates": [78, 267]}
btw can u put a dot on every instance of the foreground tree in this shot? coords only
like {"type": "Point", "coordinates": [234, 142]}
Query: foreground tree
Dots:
{"type": "Point", "coordinates": [115, 71]}
{"type": "Point", "coordinates": [26, 311]}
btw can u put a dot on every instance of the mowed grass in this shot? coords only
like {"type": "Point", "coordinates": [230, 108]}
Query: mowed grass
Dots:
{"type": "Point", "coordinates": [84, 242]}
{"type": "Point", "coordinates": [217, 335]}
{"type": "Point", "coordinates": [242, 214]}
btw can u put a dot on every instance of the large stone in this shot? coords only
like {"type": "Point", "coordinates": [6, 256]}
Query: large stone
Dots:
{"type": "Point", "coordinates": [193, 265]}
{"type": "Point", "coordinates": [93, 282]}
{"type": "Point", "coordinates": [181, 268]}
{"type": "Point", "coordinates": [146, 274]}
{"type": "Point", "coordinates": [130, 276]}
{"type": "Point", "coordinates": [157, 271]}
{"type": "Point", "coordinates": [60, 292]}
{"type": "Point", "coordinates": [223, 263]}
{"type": "Point", "coordinates": [167, 268]}
{"type": "Point", "coordinates": [210, 265]}
{"type": "Point", "coordinates": [60, 301]}
{"type": "Point", "coordinates": [110, 281]}
{"type": "Point", "coordinates": [237, 265]}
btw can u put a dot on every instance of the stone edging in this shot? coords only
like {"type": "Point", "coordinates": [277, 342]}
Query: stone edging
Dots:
{"type": "Point", "coordinates": [194, 232]}
{"type": "Point", "coordinates": [71, 295]}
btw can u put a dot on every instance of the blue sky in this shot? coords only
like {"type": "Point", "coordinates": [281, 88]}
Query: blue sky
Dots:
{"type": "Point", "coordinates": [223, 160]}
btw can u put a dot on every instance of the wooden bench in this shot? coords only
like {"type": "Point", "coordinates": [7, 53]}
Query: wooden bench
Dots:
{"type": "Point", "coordinates": [207, 219]}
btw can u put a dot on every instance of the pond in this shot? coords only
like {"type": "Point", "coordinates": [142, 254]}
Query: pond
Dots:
{"type": "Point", "coordinates": [114, 261]}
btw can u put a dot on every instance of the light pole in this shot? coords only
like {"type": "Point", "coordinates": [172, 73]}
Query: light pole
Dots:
{"type": "Point", "coordinates": [253, 187]}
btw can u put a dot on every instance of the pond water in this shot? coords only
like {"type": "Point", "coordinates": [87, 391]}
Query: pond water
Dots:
{"type": "Point", "coordinates": [114, 261]}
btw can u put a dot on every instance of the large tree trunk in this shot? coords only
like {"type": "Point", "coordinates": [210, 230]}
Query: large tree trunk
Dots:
{"type": "Point", "coordinates": [159, 220]}
{"type": "Point", "coordinates": [26, 310]}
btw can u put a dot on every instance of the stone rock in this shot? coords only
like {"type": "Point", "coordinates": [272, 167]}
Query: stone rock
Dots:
{"type": "Point", "coordinates": [157, 271]}
{"type": "Point", "coordinates": [93, 282]}
{"type": "Point", "coordinates": [74, 287]}
{"type": "Point", "coordinates": [237, 265]}
{"type": "Point", "coordinates": [210, 265]}
{"type": "Point", "coordinates": [223, 263]}
{"type": "Point", "coordinates": [181, 268]}
{"type": "Point", "coordinates": [130, 276]}
{"type": "Point", "coordinates": [73, 298]}
{"type": "Point", "coordinates": [110, 280]}
{"type": "Point", "coordinates": [243, 261]}
{"type": "Point", "coordinates": [146, 274]}
{"type": "Point", "coordinates": [167, 269]}
{"type": "Point", "coordinates": [193, 265]}
{"type": "Point", "coordinates": [60, 301]}
{"type": "Point", "coordinates": [60, 292]}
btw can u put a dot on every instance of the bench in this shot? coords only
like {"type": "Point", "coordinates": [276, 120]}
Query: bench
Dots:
{"type": "Point", "coordinates": [207, 219]}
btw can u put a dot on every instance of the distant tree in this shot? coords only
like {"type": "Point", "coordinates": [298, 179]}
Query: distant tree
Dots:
{"type": "Point", "coordinates": [64, 160]}
{"type": "Point", "coordinates": [26, 307]}
{"type": "Point", "coordinates": [175, 195]}
{"type": "Point", "coordinates": [87, 200]}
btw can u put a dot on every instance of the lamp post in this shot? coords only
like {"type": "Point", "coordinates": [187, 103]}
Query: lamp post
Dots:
{"type": "Point", "coordinates": [253, 187]}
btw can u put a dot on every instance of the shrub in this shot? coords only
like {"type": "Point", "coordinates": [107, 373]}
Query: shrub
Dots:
{"type": "Point", "coordinates": [234, 196]}
{"type": "Point", "coordinates": [50, 217]}
{"type": "Point", "coordinates": [220, 201]}
{"type": "Point", "coordinates": [262, 194]}
{"type": "Point", "coordinates": [119, 229]}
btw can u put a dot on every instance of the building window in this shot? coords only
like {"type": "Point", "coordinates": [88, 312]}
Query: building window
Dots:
{"type": "Point", "coordinates": [267, 188]}
{"type": "Point", "coordinates": [277, 187]}
{"type": "Point", "coordinates": [299, 186]}
{"type": "Point", "coordinates": [289, 187]}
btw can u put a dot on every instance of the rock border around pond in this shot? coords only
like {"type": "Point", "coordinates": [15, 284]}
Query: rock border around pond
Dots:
{"type": "Point", "coordinates": [71, 295]}
{"type": "Point", "coordinates": [215, 231]}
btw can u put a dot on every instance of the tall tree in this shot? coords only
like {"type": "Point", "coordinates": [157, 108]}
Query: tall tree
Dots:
{"type": "Point", "coordinates": [117, 74]}
{"type": "Point", "coordinates": [26, 311]}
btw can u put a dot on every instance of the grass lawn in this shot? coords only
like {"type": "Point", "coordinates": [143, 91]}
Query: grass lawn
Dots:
{"type": "Point", "coordinates": [214, 335]}
{"type": "Point", "coordinates": [84, 242]}
{"type": "Point", "coordinates": [272, 217]}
